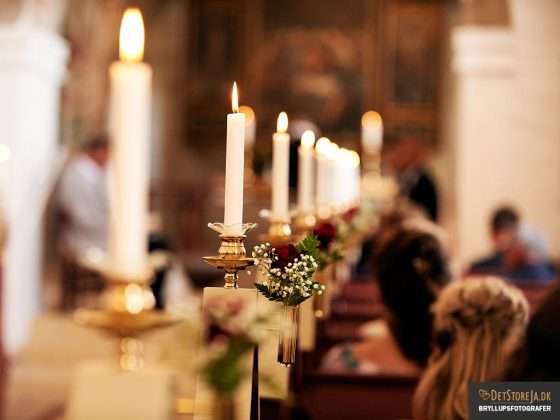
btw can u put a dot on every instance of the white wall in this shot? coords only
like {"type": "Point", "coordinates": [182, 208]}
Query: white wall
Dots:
{"type": "Point", "coordinates": [503, 124]}
{"type": "Point", "coordinates": [32, 66]}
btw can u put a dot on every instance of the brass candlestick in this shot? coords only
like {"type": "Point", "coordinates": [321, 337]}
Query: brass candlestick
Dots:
{"type": "Point", "coordinates": [231, 255]}
{"type": "Point", "coordinates": [305, 222]}
{"type": "Point", "coordinates": [279, 230]}
{"type": "Point", "coordinates": [127, 313]}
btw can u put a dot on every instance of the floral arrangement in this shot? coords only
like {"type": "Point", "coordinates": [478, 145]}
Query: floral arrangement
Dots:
{"type": "Point", "coordinates": [289, 270]}
{"type": "Point", "coordinates": [329, 248]}
{"type": "Point", "coordinates": [357, 222]}
{"type": "Point", "coordinates": [232, 331]}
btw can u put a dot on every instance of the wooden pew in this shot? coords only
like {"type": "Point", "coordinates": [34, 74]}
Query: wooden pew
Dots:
{"type": "Point", "coordinates": [333, 396]}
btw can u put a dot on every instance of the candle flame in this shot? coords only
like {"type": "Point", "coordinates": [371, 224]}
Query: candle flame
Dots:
{"type": "Point", "coordinates": [249, 113]}
{"type": "Point", "coordinates": [282, 123]}
{"type": "Point", "coordinates": [131, 40]}
{"type": "Point", "coordinates": [323, 145]}
{"type": "Point", "coordinates": [308, 139]}
{"type": "Point", "coordinates": [371, 118]}
{"type": "Point", "coordinates": [234, 98]}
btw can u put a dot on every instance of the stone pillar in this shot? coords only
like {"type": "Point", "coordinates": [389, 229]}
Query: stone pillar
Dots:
{"type": "Point", "coordinates": [480, 131]}
{"type": "Point", "coordinates": [32, 67]}
{"type": "Point", "coordinates": [536, 31]}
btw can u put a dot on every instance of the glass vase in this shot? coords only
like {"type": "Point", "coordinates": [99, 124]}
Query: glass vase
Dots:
{"type": "Point", "coordinates": [287, 342]}
{"type": "Point", "coordinates": [223, 407]}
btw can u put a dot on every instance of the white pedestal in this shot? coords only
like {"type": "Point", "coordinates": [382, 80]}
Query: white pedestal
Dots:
{"type": "Point", "coordinates": [269, 367]}
{"type": "Point", "coordinates": [307, 326]}
{"type": "Point", "coordinates": [203, 396]}
{"type": "Point", "coordinates": [101, 390]}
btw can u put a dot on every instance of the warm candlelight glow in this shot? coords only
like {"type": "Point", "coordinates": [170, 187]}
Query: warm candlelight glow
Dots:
{"type": "Point", "coordinates": [249, 113]}
{"type": "Point", "coordinates": [333, 150]}
{"type": "Point", "coordinates": [308, 139]}
{"type": "Point", "coordinates": [282, 123]}
{"type": "Point", "coordinates": [371, 118]}
{"type": "Point", "coordinates": [234, 99]}
{"type": "Point", "coordinates": [354, 158]}
{"type": "Point", "coordinates": [323, 145]}
{"type": "Point", "coordinates": [131, 41]}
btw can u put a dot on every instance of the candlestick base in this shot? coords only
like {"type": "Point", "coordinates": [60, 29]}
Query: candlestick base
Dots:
{"type": "Point", "coordinates": [127, 313]}
{"type": "Point", "coordinates": [231, 256]}
{"type": "Point", "coordinates": [305, 222]}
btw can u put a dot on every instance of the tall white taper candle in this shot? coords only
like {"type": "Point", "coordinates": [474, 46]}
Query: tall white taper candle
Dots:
{"type": "Point", "coordinates": [305, 172]}
{"type": "Point", "coordinates": [235, 148]}
{"type": "Point", "coordinates": [281, 170]}
{"type": "Point", "coordinates": [372, 132]}
{"type": "Point", "coordinates": [129, 129]}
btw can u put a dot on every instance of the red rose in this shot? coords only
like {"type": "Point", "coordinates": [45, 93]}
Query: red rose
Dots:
{"type": "Point", "coordinates": [350, 214]}
{"type": "Point", "coordinates": [286, 254]}
{"type": "Point", "coordinates": [325, 233]}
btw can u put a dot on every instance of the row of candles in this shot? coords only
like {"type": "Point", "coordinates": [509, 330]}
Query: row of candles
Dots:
{"type": "Point", "coordinates": [329, 176]}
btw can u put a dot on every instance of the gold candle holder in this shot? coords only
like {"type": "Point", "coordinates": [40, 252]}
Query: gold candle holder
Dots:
{"type": "Point", "coordinates": [232, 254]}
{"type": "Point", "coordinates": [279, 230]}
{"type": "Point", "coordinates": [127, 312]}
{"type": "Point", "coordinates": [305, 222]}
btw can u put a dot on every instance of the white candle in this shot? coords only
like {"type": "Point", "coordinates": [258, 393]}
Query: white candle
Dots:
{"type": "Point", "coordinates": [250, 125]}
{"type": "Point", "coordinates": [129, 128]}
{"type": "Point", "coordinates": [356, 179]}
{"type": "Point", "coordinates": [305, 171]}
{"type": "Point", "coordinates": [235, 152]}
{"type": "Point", "coordinates": [281, 170]}
{"type": "Point", "coordinates": [323, 174]}
{"type": "Point", "coordinates": [334, 186]}
{"type": "Point", "coordinates": [372, 132]}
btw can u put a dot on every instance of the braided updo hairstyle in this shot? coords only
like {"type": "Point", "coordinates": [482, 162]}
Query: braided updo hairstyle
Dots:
{"type": "Point", "coordinates": [411, 269]}
{"type": "Point", "coordinates": [477, 323]}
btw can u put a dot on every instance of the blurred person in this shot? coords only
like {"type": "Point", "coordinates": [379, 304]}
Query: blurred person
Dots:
{"type": "Point", "coordinates": [84, 214]}
{"type": "Point", "coordinates": [477, 325]}
{"type": "Point", "coordinates": [84, 201]}
{"type": "Point", "coordinates": [405, 157]}
{"type": "Point", "coordinates": [525, 259]}
{"type": "Point", "coordinates": [537, 357]}
{"type": "Point", "coordinates": [411, 269]}
{"type": "Point", "coordinates": [504, 224]}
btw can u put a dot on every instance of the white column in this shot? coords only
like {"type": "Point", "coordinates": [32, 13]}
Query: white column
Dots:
{"type": "Point", "coordinates": [486, 156]}
{"type": "Point", "coordinates": [32, 67]}
{"type": "Point", "coordinates": [536, 110]}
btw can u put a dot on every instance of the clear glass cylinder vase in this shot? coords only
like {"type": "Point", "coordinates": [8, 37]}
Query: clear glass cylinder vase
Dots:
{"type": "Point", "coordinates": [223, 407]}
{"type": "Point", "coordinates": [287, 343]}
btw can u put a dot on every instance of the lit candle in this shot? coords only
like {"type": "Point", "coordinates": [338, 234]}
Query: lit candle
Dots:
{"type": "Point", "coordinates": [323, 174]}
{"type": "Point", "coordinates": [250, 125]}
{"type": "Point", "coordinates": [305, 170]}
{"type": "Point", "coordinates": [235, 149]}
{"type": "Point", "coordinates": [355, 178]}
{"type": "Point", "coordinates": [129, 128]}
{"type": "Point", "coordinates": [334, 186]}
{"type": "Point", "coordinates": [372, 132]}
{"type": "Point", "coordinates": [281, 170]}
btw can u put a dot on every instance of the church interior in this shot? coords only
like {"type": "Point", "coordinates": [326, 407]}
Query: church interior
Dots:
{"type": "Point", "coordinates": [278, 210]}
